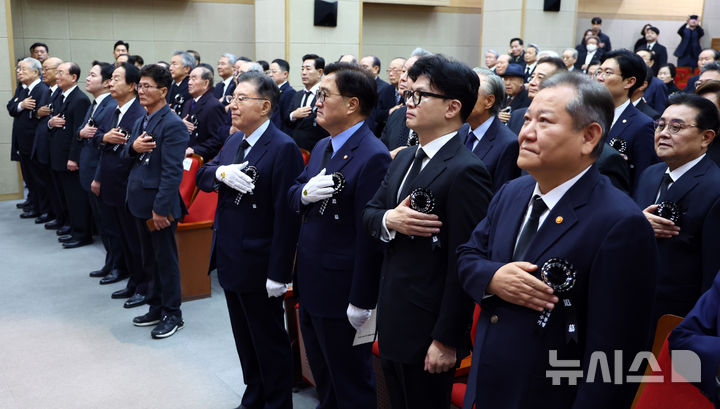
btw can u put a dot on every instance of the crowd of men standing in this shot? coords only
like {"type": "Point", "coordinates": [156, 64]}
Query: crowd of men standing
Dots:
{"type": "Point", "coordinates": [548, 198]}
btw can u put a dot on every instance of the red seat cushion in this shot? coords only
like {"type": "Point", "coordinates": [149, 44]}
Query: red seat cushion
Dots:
{"type": "Point", "coordinates": [202, 208]}
{"type": "Point", "coordinates": [187, 185]}
{"type": "Point", "coordinates": [376, 349]}
{"type": "Point", "coordinates": [458, 394]}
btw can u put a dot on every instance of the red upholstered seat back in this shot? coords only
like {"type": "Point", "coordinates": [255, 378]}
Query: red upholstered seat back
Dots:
{"type": "Point", "coordinates": [202, 208]}
{"type": "Point", "coordinates": [187, 185]}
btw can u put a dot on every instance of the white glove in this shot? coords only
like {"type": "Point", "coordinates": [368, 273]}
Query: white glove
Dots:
{"type": "Point", "coordinates": [233, 176]}
{"type": "Point", "coordinates": [275, 289]}
{"type": "Point", "coordinates": [357, 316]}
{"type": "Point", "coordinates": [318, 188]}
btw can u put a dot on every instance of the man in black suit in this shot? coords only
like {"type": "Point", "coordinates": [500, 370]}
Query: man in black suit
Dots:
{"type": "Point", "coordinates": [23, 108]}
{"type": "Point", "coordinates": [279, 72]}
{"type": "Point", "coordinates": [111, 179]}
{"type": "Point", "coordinates": [706, 56]}
{"type": "Point", "coordinates": [338, 264]}
{"type": "Point", "coordinates": [203, 116]}
{"type": "Point", "coordinates": [531, 60]}
{"type": "Point", "coordinates": [654, 91]}
{"type": "Point", "coordinates": [659, 51]}
{"type": "Point", "coordinates": [389, 97]}
{"type": "Point", "coordinates": [65, 153]}
{"type": "Point", "coordinates": [688, 179]}
{"type": "Point", "coordinates": [596, 27]}
{"type": "Point", "coordinates": [40, 52]}
{"type": "Point", "coordinates": [373, 65]}
{"type": "Point", "coordinates": [546, 67]}
{"type": "Point", "coordinates": [157, 148]}
{"type": "Point", "coordinates": [41, 148]}
{"type": "Point", "coordinates": [637, 97]}
{"type": "Point", "coordinates": [181, 63]}
{"type": "Point", "coordinates": [226, 87]}
{"type": "Point", "coordinates": [517, 52]}
{"type": "Point", "coordinates": [255, 238]}
{"type": "Point", "coordinates": [103, 105]}
{"type": "Point", "coordinates": [495, 144]}
{"type": "Point", "coordinates": [423, 315]}
{"type": "Point", "coordinates": [302, 118]}
{"type": "Point", "coordinates": [517, 95]}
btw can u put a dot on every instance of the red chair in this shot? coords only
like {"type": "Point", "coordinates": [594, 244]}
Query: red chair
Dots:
{"type": "Point", "coordinates": [194, 242]}
{"type": "Point", "coordinates": [682, 74]}
{"type": "Point", "coordinates": [458, 391]}
{"type": "Point", "coordinates": [305, 155]}
{"type": "Point", "coordinates": [187, 188]}
{"type": "Point", "coordinates": [667, 394]}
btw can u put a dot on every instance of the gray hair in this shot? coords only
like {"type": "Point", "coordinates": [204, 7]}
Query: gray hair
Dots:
{"type": "Point", "coordinates": [492, 84]}
{"type": "Point", "coordinates": [592, 103]}
{"type": "Point", "coordinates": [495, 53]}
{"type": "Point", "coordinates": [711, 66]}
{"type": "Point", "coordinates": [420, 52]}
{"type": "Point", "coordinates": [255, 67]}
{"type": "Point", "coordinates": [535, 46]}
{"type": "Point", "coordinates": [547, 53]}
{"type": "Point", "coordinates": [187, 59]}
{"type": "Point", "coordinates": [231, 58]}
{"type": "Point", "coordinates": [574, 52]}
{"type": "Point", "coordinates": [207, 75]}
{"type": "Point", "coordinates": [34, 64]}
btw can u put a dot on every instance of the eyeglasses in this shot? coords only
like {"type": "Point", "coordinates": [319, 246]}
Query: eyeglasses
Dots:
{"type": "Point", "coordinates": [241, 98]}
{"type": "Point", "coordinates": [417, 96]}
{"type": "Point", "coordinates": [603, 73]}
{"type": "Point", "coordinates": [673, 126]}
{"type": "Point", "coordinates": [393, 70]}
{"type": "Point", "coordinates": [146, 87]}
{"type": "Point", "coordinates": [323, 93]}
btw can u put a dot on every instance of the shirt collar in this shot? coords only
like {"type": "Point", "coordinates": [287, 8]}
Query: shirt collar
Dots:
{"type": "Point", "coordinates": [480, 131]}
{"type": "Point", "coordinates": [339, 140]}
{"type": "Point", "coordinates": [126, 106]}
{"type": "Point", "coordinates": [53, 88]}
{"type": "Point", "coordinates": [253, 138]}
{"type": "Point", "coordinates": [314, 88]}
{"type": "Point", "coordinates": [227, 80]}
{"type": "Point", "coordinates": [619, 110]}
{"type": "Point", "coordinates": [552, 197]}
{"type": "Point", "coordinates": [66, 93]}
{"type": "Point", "coordinates": [99, 99]}
{"type": "Point", "coordinates": [433, 147]}
{"type": "Point", "coordinates": [680, 170]}
{"type": "Point", "coordinates": [33, 84]}
{"type": "Point", "coordinates": [281, 85]}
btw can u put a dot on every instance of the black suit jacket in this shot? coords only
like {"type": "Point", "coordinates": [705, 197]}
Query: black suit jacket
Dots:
{"type": "Point", "coordinates": [41, 147]}
{"type": "Point", "coordinates": [64, 145]}
{"type": "Point", "coordinates": [282, 110]}
{"type": "Point", "coordinates": [521, 100]}
{"type": "Point", "coordinates": [498, 150]}
{"type": "Point", "coordinates": [396, 133]}
{"type": "Point", "coordinates": [420, 297]}
{"type": "Point", "coordinates": [636, 129]}
{"type": "Point", "coordinates": [206, 140]}
{"type": "Point", "coordinates": [646, 109]}
{"type": "Point", "coordinates": [306, 132]}
{"type": "Point", "coordinates": [154, 187]}
{"type": "Point", "coordinates": [176, 90]}
{"type": "Point", "coordinates": [113, 169]}
{"type": "Point", "coordinates": [582, 54]}
{"type": "Point", "coordinates": [251, 244]}
{"type": "Point", "coordinates": [218, 91]}
{"type": "Point", "coordinates": [25, 121]}
{"type": "Point", "coordinates": [661, 57]}
{"type": "Point", "coordinates": [90, 152]}
{"type": "Point", "coordinates": [688, 262]}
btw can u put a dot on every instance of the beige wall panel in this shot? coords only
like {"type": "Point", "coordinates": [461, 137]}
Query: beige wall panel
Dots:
{"type": "Point", "coordinates": [270, 22]}
{"type": "Point", "coordinates": [500, 5]}
{"type": "Point", "coordinates": [9, 172]}
{"type": "Point", "coordinates": [271, 51]}
{"type": "Point", "coordinates": [5, 124]}
{"type": "Point", "coordinates": [223, 22]}
{"type": "Point", "coordinates": [175, 23]}
{"type": "Point", "coordinates": [536, 29]}
{"type": "Point", "coordinates": [44, 19]}
{"type": "Point", "coordinates": [710, 22]}
{"type": "Point", "coordinates": [302, 29]}
{"type": "Point", "coordinates": [639, 8]}
{"type": "Point", "coordinates": [6, 81]}
{"type": "Point", "coordinates": [134, 22]}
{"type": "Point", "coordinates": [91, 21]}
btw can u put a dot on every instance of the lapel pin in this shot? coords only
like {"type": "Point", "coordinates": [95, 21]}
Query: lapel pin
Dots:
{"type": "Point", "coordinates": [624, 120]}
{"type": "Point", "coordinates": [345, 157]}
{"type": "Point", "coordinates": [559, 220]}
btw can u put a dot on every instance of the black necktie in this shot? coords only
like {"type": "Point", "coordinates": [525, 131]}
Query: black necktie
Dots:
{"type": "Point", "coordinates": [664, 184]}
{"type": "Point", "coordinates": [25, 93]}
{"type": "Point", "coordinates": [470, 141]}
{"type": "Point", "coordinates": [116, 118]}
{"type": "Point", "coordinates": [530, 229]}
{"type": "Point", "coordinates": [305, 98]}
{"type": "Point", "coordinates": [412, 175]}
{"type": "Point", "coordinates": [240, 155]}
{"type": "Point", "coordinates": [327, 154]}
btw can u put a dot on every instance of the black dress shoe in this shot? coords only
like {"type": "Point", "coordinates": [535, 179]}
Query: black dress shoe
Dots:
{"type": "Point", "coordinates": [76, 243]}
{"type": "Point", "coordinates": [113, 277]}
{"type": "Point", "coordinates": [136, 300]}
{"type": "Point", "coordinates": [100, 273]}
{"type": "Point", "coordinates": [147, 319]}
{"type": "Point", "coordinates": [169, 325]}
{"type": "Point", "coordinates": [44, 218]}
{"type": "Point", "coordinates": [22, 204]}
{"type": "Point", "coordinates": [53, 225]}
{"type": "Point", "coordinates": [66, 238]}
{"type": "Point", "coordinates": [29, 215]}
{"type": "Point", "coordinates": [62, 231]}
{"type": "Point", "coordinates": [124, 293]}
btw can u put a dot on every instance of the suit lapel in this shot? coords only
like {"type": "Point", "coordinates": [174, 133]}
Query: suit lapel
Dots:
{"type": "Point", "coordinates": [152, 123]}
{"type": "Point", "coordinates": [623, 122]}
{"type": "Point", "coordinates": [437, 165]}
{"type": "Point", "coordinates": [69, 98]}
{"type": "Point", "coordinates": [483, 147]}
{"type": "Point", "coordinates": [517, 207]}
{"type": "Point", "coordinates": [345, 154]}
{"type": "Point", "coordinates": [688, 181]}
{"type": "Point", "coordinates": [260, 147]}
{"type": "Point", "coordinates": [396, 178]}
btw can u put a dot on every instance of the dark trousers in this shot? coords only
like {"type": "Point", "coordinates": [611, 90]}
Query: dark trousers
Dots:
{"type": "Point", "coordinates": [77, 204]}
{"type": "Point", "coordinates": [98, 210]}
{"type": "Point", "coordinates": [411, 387]}
{"type": "Point", "coordinates": [127, 243]}
{"type": "Point", "coordinates": [160, 250]}
{"type": "Point", "coordinates": [36, 182]}
{"type": "Point", "coordinates": [343, 372]}
{"type": "Point", "coordinates": [263, 346]}
{"type": "Point", "coordinates": [57, 197]}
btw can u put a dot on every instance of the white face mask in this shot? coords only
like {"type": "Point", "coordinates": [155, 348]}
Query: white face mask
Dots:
{"type": "Point", "coordinates": [591, 47]}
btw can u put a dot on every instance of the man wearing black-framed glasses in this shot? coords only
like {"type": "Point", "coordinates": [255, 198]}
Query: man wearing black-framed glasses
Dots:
{"type": "Point", "coordinates": [422, 311]}
{"type": "Point", "coordinates": [689, 179]}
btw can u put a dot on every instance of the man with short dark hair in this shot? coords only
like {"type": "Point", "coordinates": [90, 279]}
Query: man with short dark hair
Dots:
{"type": "Point", "coordinates": [596, 27]}
{"type": "Point", "coordinates": [686, 182]}
{"type": "Point", "coordinates": [423, 314]}
{"type": "Point", "coordinates": [389, 97]}
{"type": "Point", "coordinates": [637, 98]}
{"type": "Point", "coordinates": [631, 131]}
{"type": "Point", "coordinates": [65, 153]}
{"type": "Point", "coordinates": [654, 91]}
{"type": "Point", "coordinates": [255, 277]}
{"type": "Point", "coordinates": [517, 52]}
{"type": "Point", "coordinates": [181, 63]}
{"type": "Point", "coordinates": [279, 72]}
{"type": "Point", "coordinates": [659, 52]}
{"type": "Point", "coordinates": [157, 148]}
{"type": "Point", "coordinates": [562, 232]}
{"type": "Point", "coordinates": [203, 116]}
{"type": "Point", "coordinates": [120, 47]}
{"type": "Point", "coordinates": [39, 51]}
{"type": "Point", "coordinates": [302, 118]}
{"type": "Point", "coordinates": [337, 264]}
{"type": "Point", "coordinates": [396, 135]}
{"type": "Point", "coordinates": [531, 58]}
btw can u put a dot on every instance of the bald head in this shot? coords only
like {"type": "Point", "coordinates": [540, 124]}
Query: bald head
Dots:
{"type": "Point", "coordinates": [49, 70]}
